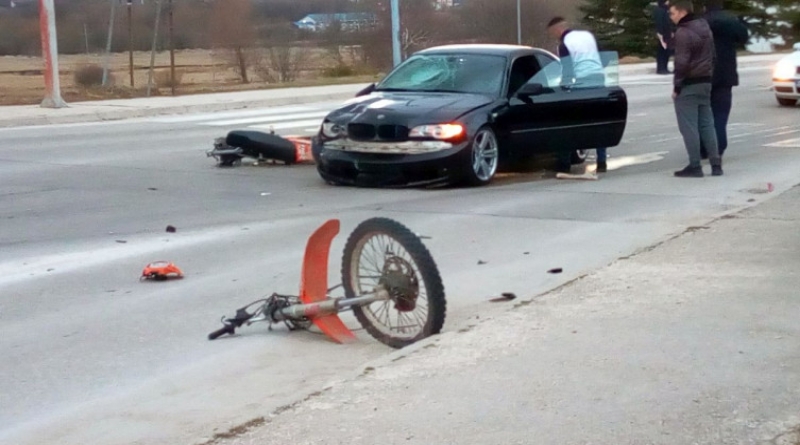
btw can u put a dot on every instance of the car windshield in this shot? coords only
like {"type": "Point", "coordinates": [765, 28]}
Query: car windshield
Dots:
{"type": "Point", "coordinates": [463, 73]}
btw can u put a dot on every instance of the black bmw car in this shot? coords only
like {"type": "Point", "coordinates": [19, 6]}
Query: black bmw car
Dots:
{"type": "Point", "coordinates": [461, 113]}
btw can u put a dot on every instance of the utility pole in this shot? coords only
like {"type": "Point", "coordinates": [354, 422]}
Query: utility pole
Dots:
{"type": "Point", "coordinates": [86, 37]}
{"type": "Point", "coordinates": [396, 56]}
{"type": "Point", "coordinates": [171, 52]}
{"type": "Point", "coordinates": [153, 48]}
{"type": "Point", "coordinates": [519, 23]}
{"type": "Point", "coordinates": [47, 29]}
{"type": "Point", "coordinates": [130, 39]}
{"type": "Point", "coordinates": [108, 42]}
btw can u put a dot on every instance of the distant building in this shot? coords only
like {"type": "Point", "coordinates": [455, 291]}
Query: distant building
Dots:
{"type": "Point", "coordinates": [348, 21]}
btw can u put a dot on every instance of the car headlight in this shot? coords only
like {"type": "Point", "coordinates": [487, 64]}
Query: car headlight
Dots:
{"type": "Point", "coordinates": [784, 71]}
{"type": "Point", "coordinates": [333, 130]}
{"type": "Point", "coordinates": [440, 131]}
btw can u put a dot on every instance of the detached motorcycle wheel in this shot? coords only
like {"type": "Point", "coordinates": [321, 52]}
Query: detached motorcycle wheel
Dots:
{"type": "Point", "coordinates": [382, 251]}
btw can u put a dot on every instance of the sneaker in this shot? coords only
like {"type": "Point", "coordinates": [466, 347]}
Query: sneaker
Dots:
{"type": "Point", "coordinates": [690, 172]}
{"type": "Point", "coordinates": [602, 167]}
{"type": "Point", "coordinates": [716, 170]}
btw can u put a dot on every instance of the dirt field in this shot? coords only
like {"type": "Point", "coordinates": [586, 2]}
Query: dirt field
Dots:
{"type": "Point", "coordinates": [200, 71]}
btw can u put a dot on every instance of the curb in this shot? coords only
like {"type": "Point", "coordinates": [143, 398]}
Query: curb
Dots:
{"type": "Point", "coordinates": [134, 113]}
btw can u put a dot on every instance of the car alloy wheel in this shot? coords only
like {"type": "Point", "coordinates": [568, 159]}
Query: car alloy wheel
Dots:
{"type": "Point", "coordinates": [485, 156]}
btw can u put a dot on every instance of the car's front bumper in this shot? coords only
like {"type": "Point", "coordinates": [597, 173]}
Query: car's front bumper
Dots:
{"type": "Point", "coordinates": [387, 164]}
{"type": "Point", "coordinates": [787, 89]}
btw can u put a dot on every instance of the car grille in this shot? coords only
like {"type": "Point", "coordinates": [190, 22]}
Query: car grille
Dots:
{"type": "Point", "coordinates": [784, 89]}
{"type": "Point", "coordinates": [367, 132]}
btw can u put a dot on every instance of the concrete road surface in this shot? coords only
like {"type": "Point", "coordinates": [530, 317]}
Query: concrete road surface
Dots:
{"type": "Point", "coordinates": [92, 355]}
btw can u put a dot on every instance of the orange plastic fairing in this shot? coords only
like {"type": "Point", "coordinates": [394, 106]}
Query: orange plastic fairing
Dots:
{"type": "Point", "coordinates": [161, 270]}
{"type": "Point", "coordinates": [314, 280]}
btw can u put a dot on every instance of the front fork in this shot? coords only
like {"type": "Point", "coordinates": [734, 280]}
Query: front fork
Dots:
{"type": "Point", "coordinates": [327, 307]}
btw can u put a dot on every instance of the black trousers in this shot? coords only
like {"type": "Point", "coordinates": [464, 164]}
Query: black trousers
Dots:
{"type": "Point", "coordinates": [662, 59]}
{"type": "Point", "coordinates": [721, 103]}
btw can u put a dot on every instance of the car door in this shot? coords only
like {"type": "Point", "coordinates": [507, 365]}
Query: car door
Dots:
{"type": "Point", "coordinates": [535, 124]}
{"type": "Point", "coordinates": [583, 115]}
{"type": "Point", "coordinates": [600, 106]}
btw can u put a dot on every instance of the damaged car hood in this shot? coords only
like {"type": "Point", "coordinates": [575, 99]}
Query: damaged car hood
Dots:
{"type": "Point", "coordinates": [408, 108]}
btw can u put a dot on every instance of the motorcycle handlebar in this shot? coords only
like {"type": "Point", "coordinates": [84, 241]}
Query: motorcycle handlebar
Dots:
{"type": "Point", "coordinates": [221, 331]}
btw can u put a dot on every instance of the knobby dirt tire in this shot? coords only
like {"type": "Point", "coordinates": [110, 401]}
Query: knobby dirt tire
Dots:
{"type": "Point", "coordinates": [426, 267]}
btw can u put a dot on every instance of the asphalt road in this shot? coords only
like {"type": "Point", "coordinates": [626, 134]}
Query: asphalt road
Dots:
{"type": "Point", "coordinates": [93, 355]}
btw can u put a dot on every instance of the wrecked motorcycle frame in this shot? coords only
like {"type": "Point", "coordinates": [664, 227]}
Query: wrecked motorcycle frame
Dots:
{"type": "Point", "coordinates": [390, 281]}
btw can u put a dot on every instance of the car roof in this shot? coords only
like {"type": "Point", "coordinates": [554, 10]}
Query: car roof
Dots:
{"type": "Point", "coordinates": [482, 48]}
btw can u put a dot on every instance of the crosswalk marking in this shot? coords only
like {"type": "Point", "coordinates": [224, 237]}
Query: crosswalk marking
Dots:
{"type": "Point", "coordinates": [301, 119]}
{"type": "Point", "coordinates": [271, 118]}
{"type": "Point", "coordinates": [286, 125]}
{"type": "Point", "coordinates": [233, 114]}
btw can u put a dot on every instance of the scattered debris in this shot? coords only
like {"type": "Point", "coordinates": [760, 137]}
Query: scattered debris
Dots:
{"type": "Point", "coordinates": [160, 271]}
{"type": "Point", "coordinates": [171, 229]}
{"type": "Point", "coordinates": [770, 187]}
{"type": "Point", "coordinates": [506, 296]}
{"type": "Point", "coordinates": [50, 270]}
{"type": "Point", "coordinates": [266, 194]}
{"type": "Point", "coordinates": [555, 270]}
{"type": "Point", "coordinates": [152, 189]}
{"type": "Point", "coordinates": [121, 241]}
{"type": "Point", "coordinates": [481, 262]}
{"type": "Point", "coordinates": [526, 253]}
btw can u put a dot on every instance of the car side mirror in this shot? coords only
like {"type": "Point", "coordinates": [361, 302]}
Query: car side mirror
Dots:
{"type": "Point", "coordinates": [531, 89]}
{"type": "Point", "coordinates": [369, 89]}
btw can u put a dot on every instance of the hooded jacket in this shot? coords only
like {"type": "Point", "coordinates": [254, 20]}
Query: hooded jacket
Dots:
{"type": "Point", "coordinates": [729, 34]}
{"type": "Point", "coordinates": [694, 52]}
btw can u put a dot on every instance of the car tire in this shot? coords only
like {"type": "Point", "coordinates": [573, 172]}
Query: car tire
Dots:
{"type": "Point", "coordinates": [483, 159]}
{"type": "Point", "coordinates": [786, 102]}
{"type": "Point", "coordinates": [578, 157]}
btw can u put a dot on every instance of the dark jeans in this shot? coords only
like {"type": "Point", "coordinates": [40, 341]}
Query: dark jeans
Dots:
{"type": "Point", "coordinates": [662, 59]}
{"type": "Point", "coordinates": [696, 122]}
{"type": "Point", "coordinates": [564, 159]}
{"type": "Point", "coordinates": [721, 103]}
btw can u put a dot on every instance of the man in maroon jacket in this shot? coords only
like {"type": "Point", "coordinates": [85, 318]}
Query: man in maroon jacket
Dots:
{"type": "Point", "coordinates": [694, 68]}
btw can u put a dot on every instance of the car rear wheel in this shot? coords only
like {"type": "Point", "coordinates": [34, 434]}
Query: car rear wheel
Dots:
{"type": "Point", "coordinates": [787, 102]}
{"type": "Point", "coordinates": [578, 157]}
{"type": "Point", "coordinates": [484, 157]}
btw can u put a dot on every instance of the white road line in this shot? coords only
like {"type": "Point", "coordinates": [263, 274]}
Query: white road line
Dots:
{"type": "Point", "coordinates": [787, 143]}
{"type": "Point", "coordinates": [284, 125]}
{"type": "Point", "coordinates": [232, 114]}
{"type": "Point", "coordinates": [267, 119]}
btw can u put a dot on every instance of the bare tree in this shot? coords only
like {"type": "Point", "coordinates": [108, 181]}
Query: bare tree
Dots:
{"type": "Point", "coordinates": [232, 29]}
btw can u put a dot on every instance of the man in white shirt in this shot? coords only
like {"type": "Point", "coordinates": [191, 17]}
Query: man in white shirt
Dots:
{"type": "Point", "coordinates": [581, 66]}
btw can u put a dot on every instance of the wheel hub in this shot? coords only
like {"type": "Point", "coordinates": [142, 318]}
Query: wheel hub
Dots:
{"type": "Point", "coordinates": [400, 281]}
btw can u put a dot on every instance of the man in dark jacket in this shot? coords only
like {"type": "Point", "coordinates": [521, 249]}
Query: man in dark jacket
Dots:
{"type": "Point", "coordinates": [664, 32]}
{"type": "Point", "coordinates": [729, 35]}
{"type": "Point", "coordinates": [694, 69]}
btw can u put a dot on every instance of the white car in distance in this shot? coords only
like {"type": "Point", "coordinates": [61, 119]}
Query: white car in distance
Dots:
{"type": "Point", "coordinates": [786, 78]}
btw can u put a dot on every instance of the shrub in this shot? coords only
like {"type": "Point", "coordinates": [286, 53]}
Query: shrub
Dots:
{"type": "Point", "coordinates": [339, 71]}
{"type": "Point", "coordinates": [89, 75]}
{"type": "Point", "coordinates": [163, 78]}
